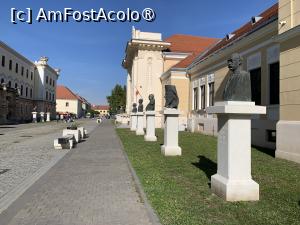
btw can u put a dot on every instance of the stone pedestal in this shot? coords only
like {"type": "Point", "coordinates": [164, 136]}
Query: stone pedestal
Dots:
{"type": "Point", "coordinates": [150, 126]}
{"type": "Point", "coordinates": [170, 146]}
{"type": "Point", "coordinates": [42, 116]}
{"type": "Point", "coordinates": [34, 117]}
{"type": "Point", "coordinates": [140, 124]}
{"type": "Point", "coordinates": [133, 121]}
{"type": "Point", "coordinates": [233, 181]}
{"type": "Point", "coordinates": [48, 117]}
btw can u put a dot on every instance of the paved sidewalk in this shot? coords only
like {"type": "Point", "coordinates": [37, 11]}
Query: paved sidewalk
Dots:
{"type": "Point", "coordinates": [92, 184]}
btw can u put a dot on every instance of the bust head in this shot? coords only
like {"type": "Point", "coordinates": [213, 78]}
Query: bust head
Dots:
{"type": "Point", "coordinates": [171, 97]}
{"type": "Point", "coordinates": [234, 62]}
{"type": "Point", "coordinates": [134, 109]}
{"type": "Point", "coordinates": [140, 107]}
{"type": "Point", "coordinates": [151, 97]}
{"type": "Point", "coordinates": [151, 105]}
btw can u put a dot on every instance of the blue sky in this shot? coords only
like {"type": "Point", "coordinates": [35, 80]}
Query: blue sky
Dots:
{"type": "Point", "coordinates": [90, 54]}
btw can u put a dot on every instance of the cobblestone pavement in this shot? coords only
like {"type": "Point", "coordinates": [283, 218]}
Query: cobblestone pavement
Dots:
{"type": "Point", "coordinates": [26, 148]}
{"type": "Point", "coordinates": [92, 184]}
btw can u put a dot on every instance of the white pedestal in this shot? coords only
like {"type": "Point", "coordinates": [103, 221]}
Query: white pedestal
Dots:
{"type": "Point", "coordinates": [42, 116]}
{"type": "Point", "coordinates": [34, 117]}
{"type": "Point", "coordinates": [48, 117]}
{"type": "Point", "coordinates": [140, 123]}
{"type": "Point", "coordinates": [150, 126]}
{"type": "Point", "coordinates": [133, 121]}
{"type": "Point", "coordinates": [170, 146]}
{"type": "Point", "coordinates": [233, 181]}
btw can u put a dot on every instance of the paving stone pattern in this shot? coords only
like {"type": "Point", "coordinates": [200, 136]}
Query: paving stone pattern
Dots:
{"type": "Point", "coordinates": [26, 148]}
{"type": "Point", "coordinates": [92, 184]}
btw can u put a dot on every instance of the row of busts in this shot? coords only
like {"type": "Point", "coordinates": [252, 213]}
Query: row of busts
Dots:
{"type": "Point", "coordinates": [171, 97]}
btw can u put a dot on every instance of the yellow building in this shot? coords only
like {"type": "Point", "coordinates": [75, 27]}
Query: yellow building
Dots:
{"type": "Point", "coordinates": [102, 109]}
{"type": "Point", "coordinates": [270, 47]}
{"type": "Point", "coordinates": [288, 127]}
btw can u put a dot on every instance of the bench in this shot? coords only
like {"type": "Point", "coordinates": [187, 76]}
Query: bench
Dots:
{"type": "Point", "coordinates": [76, 134]}
{"type": "Point", "coordinates": [65, 142]}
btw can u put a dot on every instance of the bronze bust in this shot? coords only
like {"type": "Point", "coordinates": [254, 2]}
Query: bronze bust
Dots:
{"type": "Point", "coordinates": [171, 96]}
{"type": "Point", "coordinates": [140, 107]}
{"type": "Point", "coordinates": [238, 86]}
{"type": "Point", "coordinates": [134, 109]}
{"type": "Point", "coordinates": [151, 105]}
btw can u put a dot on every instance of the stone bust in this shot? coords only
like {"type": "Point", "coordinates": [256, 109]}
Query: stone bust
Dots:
{"type": "Point", "coordinates": [151, 105]}
{"type": "Point", "coordinates": [171, 96]}
{"type": "Point", "coordinates": [140, 107]}
{"type": "Point", "coordinates": [134, 109]}
{"type": "Point", "coordinates": [238, 86]}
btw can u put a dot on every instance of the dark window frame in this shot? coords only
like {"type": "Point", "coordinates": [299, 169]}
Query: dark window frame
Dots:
{"type": "Point", "coordinates": [203, 95]}
{"type": "Point", "coordinates": [195, 98]}
{"type": "Point", "coordinates": [255, 77]}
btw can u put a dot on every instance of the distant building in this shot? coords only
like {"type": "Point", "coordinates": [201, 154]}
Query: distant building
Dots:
{"type": "Point", "coordinates": [102, 109]}
{"type": "Point", "coordinates": [26, 86]}
{"type": "Point", "coordinates": [85, 105]}
{"type": "Point", "coordinates": [67, 101]}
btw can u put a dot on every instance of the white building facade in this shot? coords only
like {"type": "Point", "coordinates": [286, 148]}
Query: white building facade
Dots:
{"type": "Point", "coordinates": [25, 86]}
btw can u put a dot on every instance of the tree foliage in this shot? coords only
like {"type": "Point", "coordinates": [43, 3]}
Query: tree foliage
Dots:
{"type": "Point", "coordinates": [117, 99]}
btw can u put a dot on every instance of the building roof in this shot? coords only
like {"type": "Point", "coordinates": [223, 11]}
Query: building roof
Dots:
{"type": "Point", "coordinates": [100, 107]}
{"type": "Point", "coordinates": [189, 43]}
{"type": "Point", "coordinates": [63, 92]}
{"type": "Point", "coordinates": [247, 29]}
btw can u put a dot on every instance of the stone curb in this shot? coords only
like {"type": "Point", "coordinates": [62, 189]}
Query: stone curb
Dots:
{"type": "Point", "coordinates": [151, 213]}
{"type": "Point", "coordinates": [15, 193]}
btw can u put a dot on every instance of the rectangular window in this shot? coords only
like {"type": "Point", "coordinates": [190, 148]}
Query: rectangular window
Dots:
{"type": "Point", "coordinates": [10, 64]}
{"type": "Point", "coordinates": [22, 71]}
{"type": "Point", "coordinates": [31, 75]}
{"type": "Point", "coordinates": [202, 88]}
{"type": "Point", "coordinates": [255, 76]}
{"type": "Point", "coordinates": [47, 80]}
{"type": "Point", "coordinates": [3, 61]}
{"type": "Point", "coordinates": [195, 94]}
{"type": "Point", "coordinates": [274, 83]}
{"type": "Point", "coordinates": [17, 67]}
{"type": "Point", "coordinates": [26, 91]}
{"type": "Point", "coordinates": [67, 104]}
{"type": "Point", "coordinates": [30, 93]}
{"type": "Point", "coordinates": [271, 136]}
{"type": "Point", "coordinates": [211, 87]}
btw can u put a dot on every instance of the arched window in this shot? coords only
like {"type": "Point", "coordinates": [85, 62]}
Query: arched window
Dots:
{"type": "Point", "coordinates": [30, 92]}
{"type": "Point", "coordinates": [9, 84]}
{"type": "Point", "coordinates": [26, 92]}
{"type": "Point", "coordinates": [2, 81]}
{"type": "Point", "coordinates": [21, 90]}
{"type": "Point", "coordinates": [16, 85]}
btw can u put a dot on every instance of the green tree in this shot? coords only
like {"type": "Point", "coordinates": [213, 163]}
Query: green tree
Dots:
{"type": "Point", "coordinates": [117, 99]}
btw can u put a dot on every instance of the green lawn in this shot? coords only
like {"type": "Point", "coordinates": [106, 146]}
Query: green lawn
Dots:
{"type": "Point", "coordinates": [178, 187]}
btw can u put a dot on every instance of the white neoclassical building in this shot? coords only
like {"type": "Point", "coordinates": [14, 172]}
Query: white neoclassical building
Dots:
{"type": "Point", "coordinates": [25, 86]}
{"type": "Point", "coordinates": [144, 64]}
{"type": "Point", "coordinates": [152, 62]}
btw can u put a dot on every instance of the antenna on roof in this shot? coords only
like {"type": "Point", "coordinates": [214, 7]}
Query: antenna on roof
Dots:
{"type": "Point", "coordinates": [255, 19]}
{"type": "Point", "coordinates": [229, 36]}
